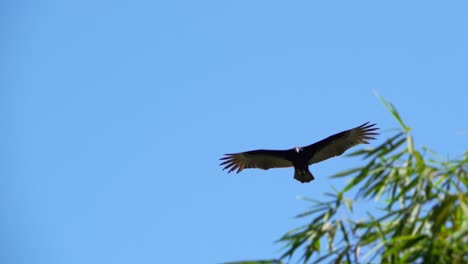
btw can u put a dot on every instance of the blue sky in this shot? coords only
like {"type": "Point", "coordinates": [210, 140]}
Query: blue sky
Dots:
{"type": "Point", "coordinates": [115, 114]}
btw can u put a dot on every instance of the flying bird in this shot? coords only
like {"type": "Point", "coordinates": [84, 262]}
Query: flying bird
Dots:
{"type": "Point", "coordinates": [300, 157]}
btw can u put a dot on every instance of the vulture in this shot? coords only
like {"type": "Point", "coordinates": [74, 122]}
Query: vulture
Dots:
{"type": "Point", "coordinates": [300, 157]}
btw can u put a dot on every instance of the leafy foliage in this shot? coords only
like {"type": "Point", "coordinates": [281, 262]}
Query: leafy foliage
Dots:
{"type": "Point", "coordinates": [417, 209]}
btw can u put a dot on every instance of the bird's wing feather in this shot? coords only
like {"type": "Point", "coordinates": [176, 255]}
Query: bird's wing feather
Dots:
{"type": "Point", "coordinates": [337, 144]}
{"type": "Point", "coordinates": [261, 159]}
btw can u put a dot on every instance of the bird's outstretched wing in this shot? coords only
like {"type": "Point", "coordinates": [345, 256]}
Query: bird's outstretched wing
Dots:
{"type": "Point", "coordinates": [337, 144]}
{"type": "Point", "coordinates": [261, 159]}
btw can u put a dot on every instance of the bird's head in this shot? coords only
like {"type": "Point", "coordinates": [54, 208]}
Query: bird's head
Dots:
{"type": "Point", "coordinates": [298, 149]}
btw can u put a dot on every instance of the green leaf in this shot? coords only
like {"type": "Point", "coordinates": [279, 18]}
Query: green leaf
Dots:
{"type": "Point", "coordinates": [410, 144]}
{"type": "Point", "coordinates": [345, 173]}
{"type": "Point", "coordinates": [349, 204]}
{"type": "Point", "coordinates": [441, 212]}
{"type": "Point", "coordinates": [393, 111]}
{"type": "Point", "coordinates": [402, 243]}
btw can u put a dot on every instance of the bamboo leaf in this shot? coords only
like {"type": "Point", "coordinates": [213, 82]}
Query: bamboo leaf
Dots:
{"type": "Point", "coordinates": [345, 173]}
{"type": "Point", "coordinates": [409, 142]}
{"type": "Point", "coordinates": [393, 111]}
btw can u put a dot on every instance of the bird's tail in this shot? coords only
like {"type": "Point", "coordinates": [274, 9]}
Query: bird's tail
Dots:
{"type": "Point", "coordinates": [303, 175]}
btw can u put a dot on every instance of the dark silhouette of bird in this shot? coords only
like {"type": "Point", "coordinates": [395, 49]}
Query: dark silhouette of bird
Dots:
{"type": "Point", "coordinates": [300, 157]}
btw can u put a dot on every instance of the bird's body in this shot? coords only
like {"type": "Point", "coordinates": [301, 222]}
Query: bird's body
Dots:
{"type": "Point", "coordinates": [300, 157]}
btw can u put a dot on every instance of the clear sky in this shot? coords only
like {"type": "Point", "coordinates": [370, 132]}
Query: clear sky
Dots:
{"type": "Point", "coordinates": [114, 115]}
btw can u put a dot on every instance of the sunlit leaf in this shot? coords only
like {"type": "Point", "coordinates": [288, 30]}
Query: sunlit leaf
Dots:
{"type": "Point", "coordinates": [393, 111]}
{"type": "Point", "coordinates": [409, 142]}
{"type": "Point", "coordinates": [348, 204]}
